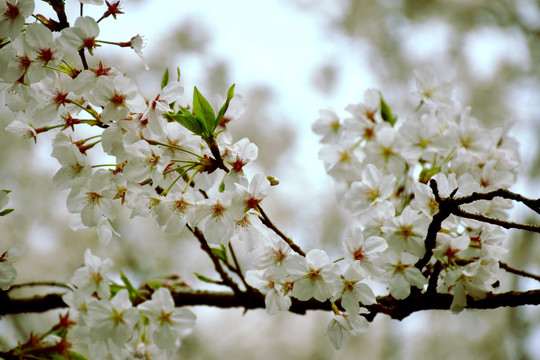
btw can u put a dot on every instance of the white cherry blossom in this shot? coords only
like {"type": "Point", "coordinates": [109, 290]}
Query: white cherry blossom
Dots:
{"type": "Point", "coordinates": [314, 276]}
{"type": "Point", "coordinates": [374, 188]}
{"type": "Point", "coordinates": [402, 274]}
{"type": "Point", "coordinates": [93, 277]}
{"type": "Point", "coordinates": [167, 321]}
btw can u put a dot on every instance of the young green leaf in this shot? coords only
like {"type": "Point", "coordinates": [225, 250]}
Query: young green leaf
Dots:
{"type": "Point", "coordinates": [5, 212]}
{"type": "Point", "coordinates": [221, 253]}
{"type": "Point", "coordinates": [223, 110]}
{"type": "Point", "coordinates": [165, 78]}
{"type": "Point", "coordinates": [386, 113]}
{"type": "Point", "coordinates": [115, 289]}
{"type": "Point", "coordinates": [203, 110]}
{"type": "Point", "coordinates": [205, 279]}
{"type": "Point", "coordinates": [133, 293]}
{"type": "Point", "coordinates": [75, 356]}
{"type": "Point", "coordinates": [190, 122]}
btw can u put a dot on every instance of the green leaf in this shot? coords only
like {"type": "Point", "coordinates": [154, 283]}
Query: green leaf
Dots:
{"type": "Point", "coordinates": [427, 174]}
{"type": "Point", "coordinates": [223, 110]}
{"type": "Point", "coordinates": [221, 253]}
{"type": "Point", "coordinates": [133, 293]}
{"type": "Point", "coordinates": [189, 121]}
{"type": "Point", "coordinates": [5, 212]}
{"type": "Point", "coordinates": [6, 191]}
{"type": "Point", "coordinates": [222, 187]}
{"type": "Point", "coordinates": [386, 112]}
{"type": "Point", "coordinates": [154, 284]}
{"type": "Point", "coordinates": [76, 356]}
{"type": "Point", "coordinates": [203, 111]}
{"type": "Point", "coordinates": [165, 78]}
{"type": "Point", "coordinates": [60, 332]}
{"type": "Point", "coordinates": [115, 289]}
{"type": "Point", "coordinates": [205, 279]}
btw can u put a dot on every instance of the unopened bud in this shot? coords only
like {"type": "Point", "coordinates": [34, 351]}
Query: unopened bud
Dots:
{"type": "Point", "coordinates": [273, 180]}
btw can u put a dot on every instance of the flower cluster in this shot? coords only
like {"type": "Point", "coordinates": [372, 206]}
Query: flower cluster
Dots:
{"type": "Point", "coordinates": [111, 326]}
{"type": "Point", "coordinates": [382, 167]}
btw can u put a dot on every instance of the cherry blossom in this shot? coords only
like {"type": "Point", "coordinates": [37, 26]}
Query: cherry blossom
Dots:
{"type": "Point", "coordinates": [374, 188]}
{"type": "Point", "coordinates": [363, 253]}
{"type": "Point", "coordinates": [343, 326]}
{"type": "Point", "coordinates": [407, 232]}
{"type": "Point", "coordinates": [8, 273]}
{"type": "Point", "coordinates": [13, 16]}
{"type": "Point", "coordinates": [368, 109]}
{"type": "Point", "coordinates": [402, 274]}
{"type": "Point", "coordinates": [167, 321]}
{"type": "Point", "coordinates": [328, 126]}
{"type": "Point", "coordinates": [354, 293]}
{"type": "Point", "coordinates": [314, 276]}
{"type": "Point", "coordinates": [111, 324]}
{"type": "Point", "coordinates": [160, 105]}
{"type": "Point", "coordinates": [93, 200]}
{"type": "Point", "coordinates": [93, 277]}
{"type": "Point", "coordinates": [82, 35]}
{"type": "Point", "coordinates": [268, 282]}
{"type": "Point", "coordinates": [430, 89]}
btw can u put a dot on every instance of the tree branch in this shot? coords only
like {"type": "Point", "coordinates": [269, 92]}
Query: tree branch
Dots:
{"type": "Point", "coordinates": [502, 223]}
{"type": "Point", "coordinates": [266, 221]}
{"type": "Point", "coordinates": [518, 272]}
{"type": "Point", "coordinates": [206, 248]}
{"type": "Point", "coordinates": [533, 204]}
{"type": "Point", "coordinates": [395, 309]}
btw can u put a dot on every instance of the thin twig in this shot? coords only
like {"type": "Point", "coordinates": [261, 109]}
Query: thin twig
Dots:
{"type": "Point", "coordinates": [206, 248]}
{"type": "Point", "coordinates": [533, 204]}
{"type": "Point", "coordinates": [238, 271]}
{"type": "Point", "coordinates": [502, 223]}
{"type": "Point", "coordinates": [518, 272]}
{"type": "Point", "coordinates": [266, 221]}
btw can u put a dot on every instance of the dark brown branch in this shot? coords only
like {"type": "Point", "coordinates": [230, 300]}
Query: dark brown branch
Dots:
{"type": "Point", "coordinates": [40, 283]}
{"type": "Point", "coordinates": [266, 221]}
{"type": "Point", "coordinates": [37, 304]}
{"type": "Point", "coordinates": [445, 209]}
{"type": "Point", "coordinates": [450, 205]}
{"type": "Point", "coordinates": [518, 272]}
{"type": "Point", "coordinates": [206, 248]}
{"type": "Point", "coordinates": [396, 309]}
{"type": "Point", "coordinates": [533, 204]}
{"type": "Point", "coordinates": [83, 58]}
{"type": "Point", "coordinates": [502, 223]}
{"type": "Point", "coordinates": [238, 270]}
{"type": "Point", "coordinates": [433, 279]}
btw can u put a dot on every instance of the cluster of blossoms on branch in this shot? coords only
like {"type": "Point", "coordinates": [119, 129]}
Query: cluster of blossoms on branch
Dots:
{"type": "Point", "coordinates": [172, 159]}
{"type": "Point", "coordinates": [382, 167]}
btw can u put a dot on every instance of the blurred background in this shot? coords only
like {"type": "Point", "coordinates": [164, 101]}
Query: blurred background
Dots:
{"type": "Point", "coordinates": [290, 58]}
